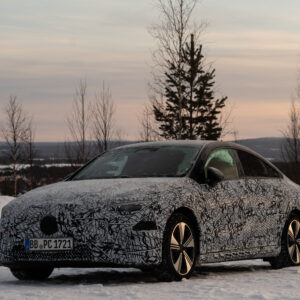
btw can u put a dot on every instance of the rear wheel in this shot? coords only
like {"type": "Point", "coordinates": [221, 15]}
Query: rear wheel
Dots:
{"type": "Point", "coordinates": [179, 249]}
{"type": "Point", "coordinates": [39, 273]}
{"type": "Point", "coordinates": [290, 245]}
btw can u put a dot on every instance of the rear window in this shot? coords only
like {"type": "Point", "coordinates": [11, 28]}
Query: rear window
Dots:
{"type": "Point", "coordinates": [255, 167]}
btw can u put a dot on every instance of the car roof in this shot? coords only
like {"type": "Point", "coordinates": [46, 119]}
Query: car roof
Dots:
{"type": "Point", "coordinates": [191, 143]}
{"type": "Point", "coordinates": [200, 144]}
{"type": "Point", "coordinates": [196, 144]}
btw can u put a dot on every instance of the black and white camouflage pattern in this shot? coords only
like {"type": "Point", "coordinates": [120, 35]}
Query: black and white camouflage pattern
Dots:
{"type": "Point", "coordinates": [236, 219]}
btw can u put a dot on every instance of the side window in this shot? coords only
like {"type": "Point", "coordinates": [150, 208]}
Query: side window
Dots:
{"type": "Point", "coordinates": [223, 160]}
{"type": "Point", "coordinates": [254, 167]}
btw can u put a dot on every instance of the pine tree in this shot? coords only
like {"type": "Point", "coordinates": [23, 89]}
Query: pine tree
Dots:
{"type": "Point", "coordinates": [199, 108]}
{"type": "Point", "coordinates": [169, 114]}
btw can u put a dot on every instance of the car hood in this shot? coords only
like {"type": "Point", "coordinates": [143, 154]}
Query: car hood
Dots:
{"type": "Point", "coordinates": [85, 192]}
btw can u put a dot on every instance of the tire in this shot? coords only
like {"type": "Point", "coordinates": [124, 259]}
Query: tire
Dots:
{"type": "Point", "coordinates": [179, 249]}
{"type": "Point", "coordinates": [290, 245]}
{"type": "Point", "coordinates": [40, 273]}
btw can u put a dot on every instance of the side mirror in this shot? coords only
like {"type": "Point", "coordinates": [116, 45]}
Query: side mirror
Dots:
{"type": "Point", "coordinates": [214, 176]}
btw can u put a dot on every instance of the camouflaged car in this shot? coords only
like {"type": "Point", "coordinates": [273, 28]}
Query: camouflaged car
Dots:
{"type": "Point", "coordinates": [163, 206]}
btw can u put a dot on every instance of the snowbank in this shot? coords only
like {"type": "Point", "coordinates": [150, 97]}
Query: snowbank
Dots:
{"type": "Point", "coordinates": [4, 200]}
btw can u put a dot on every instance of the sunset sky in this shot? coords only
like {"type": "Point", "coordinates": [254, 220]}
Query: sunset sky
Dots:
{"type": "Point", "coordinates": [46, 47]}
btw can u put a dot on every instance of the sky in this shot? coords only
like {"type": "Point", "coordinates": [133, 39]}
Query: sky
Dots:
{"type": "Point", "coordinates": [46, 47]}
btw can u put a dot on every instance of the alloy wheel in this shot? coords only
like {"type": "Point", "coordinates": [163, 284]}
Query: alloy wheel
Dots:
{"type": "Point", "coordinates": [182, 248]}
{"type": "Point", "coordinates": [293, 241]}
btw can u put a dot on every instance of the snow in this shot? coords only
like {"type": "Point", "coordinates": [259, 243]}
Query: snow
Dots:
{"type": "Point", "coordinates": [239, 280]}
{"type": "Point", "coordinates": [25, 166]}
{"type": "Point", "coordinates": [253, 280]}
{"type": "Point", "coordinates": [3, 201]}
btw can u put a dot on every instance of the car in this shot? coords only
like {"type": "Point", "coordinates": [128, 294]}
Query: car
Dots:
{"type": "Point", "coordinates": [164, 207]}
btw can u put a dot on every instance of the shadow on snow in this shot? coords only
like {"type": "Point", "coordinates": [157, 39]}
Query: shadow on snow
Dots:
{"type": "Point", "coordinates": [134, 276]}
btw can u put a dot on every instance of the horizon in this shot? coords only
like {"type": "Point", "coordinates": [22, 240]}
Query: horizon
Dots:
{"type": "Point", "coordinates": [138, 141]}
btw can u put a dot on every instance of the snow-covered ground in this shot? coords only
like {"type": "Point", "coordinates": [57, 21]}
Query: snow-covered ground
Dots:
{"type": "Point", "coordinates": [25, 166]}
{"type": "Point", "coordinates": [4, 200]}
{"type": "Point", "coordinates": [233, 281]}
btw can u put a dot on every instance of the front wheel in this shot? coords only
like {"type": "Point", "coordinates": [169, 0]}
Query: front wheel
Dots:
{"type": "Point", "coordinates": [290, 245]}
{"type": "Point", "coordinates": [179, 249]}
{"type": "Point", "coordinates": [39, 273]}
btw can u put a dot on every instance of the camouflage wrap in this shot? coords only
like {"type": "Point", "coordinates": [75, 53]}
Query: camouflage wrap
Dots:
{"type": "Point", "coordinates": [238, 219]}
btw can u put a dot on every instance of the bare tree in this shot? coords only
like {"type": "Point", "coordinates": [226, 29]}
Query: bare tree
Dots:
{"type": "Point", "coordinates": [78, 125]}
{"type": "Point", "coordinates": [171, 34]}
{"type": "Point", "coordinates": [103, 117]}
{"type": "Point", "coordinates": [226, 122]}
{"type": "Point", "coordinates": [120, 137]}
{"type": "Point", "coordinates": [148, 130]}
{"type": "Point", "coordinates": [290, 148]}
{"type": "Point", "coordinates": [30, 149]}
{"type": "Point", "coordinates": [14, 132]}
{"type": "Point", "coordinates": [291, 145]}
{"type": "Point", "coordinates": [235, 134]}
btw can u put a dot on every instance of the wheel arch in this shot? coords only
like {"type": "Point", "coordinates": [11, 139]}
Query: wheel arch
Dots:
{"type": "Point", "coordinates": [294, 211]}
{"type": "Point", "coordinates": [189, 213]}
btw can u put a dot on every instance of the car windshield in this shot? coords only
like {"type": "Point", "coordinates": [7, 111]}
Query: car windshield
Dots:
{"type": "Point", "coordinates": [135, 162]}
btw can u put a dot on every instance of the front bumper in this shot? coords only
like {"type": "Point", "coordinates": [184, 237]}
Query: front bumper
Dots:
{"type": "Point", "coordinates": [106, 239]}
{"type": "Point", "coordinates": [136, 249]}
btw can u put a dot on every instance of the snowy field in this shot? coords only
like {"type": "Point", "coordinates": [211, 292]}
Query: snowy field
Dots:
{"type": "Point", "coordinates": [26, 166]}
{"type": "Point", "coordinates": [233, 281]}
{"type": "Point", "coordinates": [4, 200]}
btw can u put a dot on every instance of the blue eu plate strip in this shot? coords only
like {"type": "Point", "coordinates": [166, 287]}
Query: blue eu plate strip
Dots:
{"type": "Point", "coordinates": [27, 244]}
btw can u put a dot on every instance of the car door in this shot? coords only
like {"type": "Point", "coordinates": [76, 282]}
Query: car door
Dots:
{"type": "Point", "coordinates": [222, 216]}
{"type": "Point", "coordinates": [263, 205]}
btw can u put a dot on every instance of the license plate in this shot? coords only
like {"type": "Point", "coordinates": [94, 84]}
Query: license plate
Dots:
{"type": "Point", "coordinates": [49, 244]}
